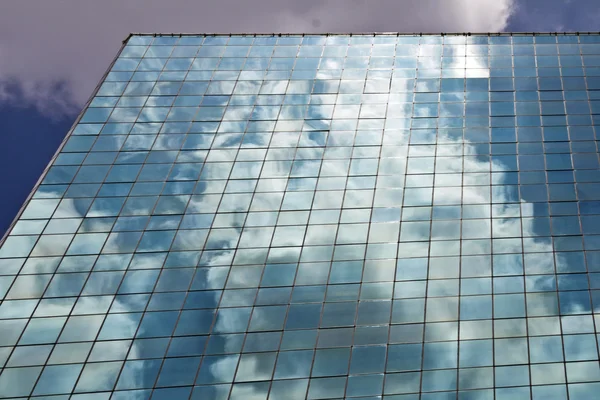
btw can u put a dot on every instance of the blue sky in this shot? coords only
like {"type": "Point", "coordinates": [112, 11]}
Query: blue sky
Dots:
{"type": "Point", "coordinates": [52, 55]}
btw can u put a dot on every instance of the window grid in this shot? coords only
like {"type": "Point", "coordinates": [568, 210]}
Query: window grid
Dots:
{"type": "Point", "coordinates": [317, 217]}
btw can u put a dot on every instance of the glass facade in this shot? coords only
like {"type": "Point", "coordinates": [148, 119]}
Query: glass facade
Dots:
{"type": "Point", "coordinates": [317, 217]}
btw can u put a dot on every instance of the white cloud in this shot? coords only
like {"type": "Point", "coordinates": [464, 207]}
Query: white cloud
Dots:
{"type": "Point", "coordinates": [52, 54]}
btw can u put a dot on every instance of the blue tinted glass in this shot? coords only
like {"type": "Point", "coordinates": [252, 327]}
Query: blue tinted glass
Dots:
{"type": "Point", "coordinates": [316, 216]}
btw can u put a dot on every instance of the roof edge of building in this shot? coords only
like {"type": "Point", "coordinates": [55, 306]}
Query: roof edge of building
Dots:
{"type": "Point", "coordinates": [365, 34]}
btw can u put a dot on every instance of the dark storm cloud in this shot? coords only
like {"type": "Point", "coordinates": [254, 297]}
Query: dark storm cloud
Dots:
{"type": "Point", "coordinates": [555, 16]}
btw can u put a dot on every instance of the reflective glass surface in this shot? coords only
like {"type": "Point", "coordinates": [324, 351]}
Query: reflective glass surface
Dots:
{"type": "Point", "coordinates": [317, 217]}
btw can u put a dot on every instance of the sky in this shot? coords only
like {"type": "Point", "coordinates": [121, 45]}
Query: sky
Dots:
{"type": "Point", "coordinates": [53, 53]}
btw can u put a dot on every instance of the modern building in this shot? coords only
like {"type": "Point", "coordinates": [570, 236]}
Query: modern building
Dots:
{"type": "Point", "coordinates": [286, 217]}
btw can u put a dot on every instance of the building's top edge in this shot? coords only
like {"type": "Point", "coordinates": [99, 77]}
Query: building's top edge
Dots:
{"type": "Point", "coordinates": [375, 34]}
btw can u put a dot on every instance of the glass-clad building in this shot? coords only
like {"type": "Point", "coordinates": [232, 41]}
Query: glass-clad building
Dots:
{"type": "Point", "coordinates": [286, 217]}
